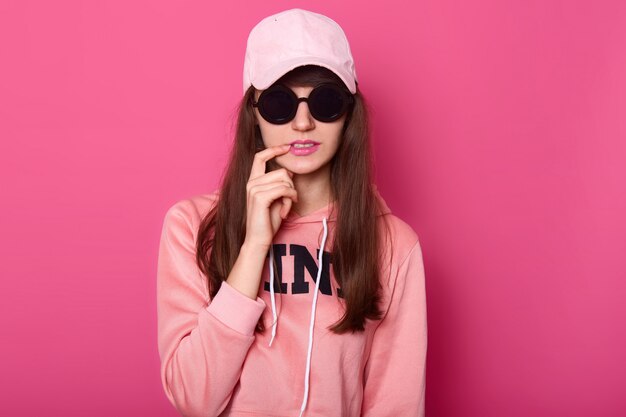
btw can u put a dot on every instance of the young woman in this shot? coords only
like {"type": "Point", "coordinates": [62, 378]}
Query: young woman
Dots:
{"type": "Point", "coordinates": [292, 290]}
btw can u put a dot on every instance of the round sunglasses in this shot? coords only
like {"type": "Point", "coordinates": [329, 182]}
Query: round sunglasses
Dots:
{"type": "Point", "coordinates": [327, 102]}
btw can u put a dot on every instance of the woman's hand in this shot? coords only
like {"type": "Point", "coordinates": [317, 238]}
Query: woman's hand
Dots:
{"type": "Point", "coordinates": [269, 197]}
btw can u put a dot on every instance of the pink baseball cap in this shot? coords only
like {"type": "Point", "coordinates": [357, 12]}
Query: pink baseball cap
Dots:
{"type": "Point", "coordinates": [292, 38]}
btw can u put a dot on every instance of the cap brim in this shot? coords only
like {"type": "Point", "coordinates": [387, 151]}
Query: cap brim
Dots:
{"type": "Point", "coordinates": [269, 77]}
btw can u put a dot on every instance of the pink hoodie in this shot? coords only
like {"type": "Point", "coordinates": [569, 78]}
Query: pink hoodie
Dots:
{"type": "Point", "coordinates": [213, 364]}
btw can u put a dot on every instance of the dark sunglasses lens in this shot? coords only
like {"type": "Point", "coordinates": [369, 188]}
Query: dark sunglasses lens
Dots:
{"type": "Point", "coordinates": [276, 106]}
{"type": "Point", "coordinates": [327, 104]}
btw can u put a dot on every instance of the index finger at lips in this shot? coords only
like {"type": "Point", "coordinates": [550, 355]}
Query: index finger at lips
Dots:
{"type": "Point", "coordinates": [261, 158]}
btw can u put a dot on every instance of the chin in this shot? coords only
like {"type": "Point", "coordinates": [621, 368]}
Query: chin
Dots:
{"type": "Point", "coordinates": [301, 165]}
{"type": "Point", "coordinates": [306, 169]}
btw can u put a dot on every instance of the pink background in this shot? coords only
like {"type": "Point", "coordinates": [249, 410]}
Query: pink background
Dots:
{"type": "Point", "coordinates": [500, 135]}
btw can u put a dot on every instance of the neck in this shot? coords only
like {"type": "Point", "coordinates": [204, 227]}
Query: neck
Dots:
{"type": "Point", "coordinates": [314, 191]}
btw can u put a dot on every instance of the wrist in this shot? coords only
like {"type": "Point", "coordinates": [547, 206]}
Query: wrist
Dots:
{"type": "Point", "coordinates": [255, 247]}
{"type": "Point", "coordinates": [246, 273]}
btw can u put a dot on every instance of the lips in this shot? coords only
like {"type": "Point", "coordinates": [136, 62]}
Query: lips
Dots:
{"type": "Point", "coordinates": [304, 142]}
{"type": "Point", "coordinates": [303, 150]}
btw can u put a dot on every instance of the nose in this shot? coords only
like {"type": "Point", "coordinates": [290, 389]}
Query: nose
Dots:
{"type": "Point", "coordinates": [303, 119]}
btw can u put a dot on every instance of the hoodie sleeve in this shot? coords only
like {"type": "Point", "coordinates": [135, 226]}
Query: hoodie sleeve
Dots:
{"type": "Point", "coordinates": [202, 344]}
{"type": "Point", "coordinates": [395, 374]}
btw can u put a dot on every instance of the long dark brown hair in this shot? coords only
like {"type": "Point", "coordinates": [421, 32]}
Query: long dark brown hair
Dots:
{"type": "Point", "coordinates": [357, 247]}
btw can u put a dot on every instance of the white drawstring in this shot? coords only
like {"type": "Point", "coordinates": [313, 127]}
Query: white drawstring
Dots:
{"type": "Point", "coordinates": [313, 305]}
{"type": "Point", "coordinates": [272, 294]}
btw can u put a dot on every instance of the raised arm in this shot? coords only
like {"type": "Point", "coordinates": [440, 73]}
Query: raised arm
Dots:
{"type": "Point", "coordinates": [202, 345]}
